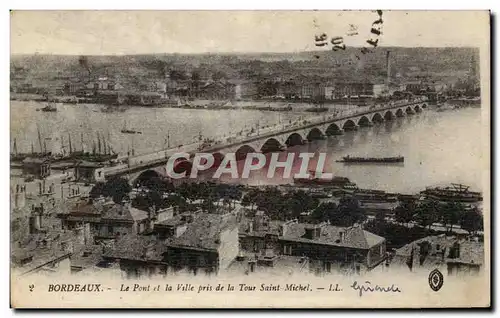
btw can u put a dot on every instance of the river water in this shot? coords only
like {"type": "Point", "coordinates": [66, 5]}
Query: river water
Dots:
{"type": "Point", "coordinates": [439, 147]}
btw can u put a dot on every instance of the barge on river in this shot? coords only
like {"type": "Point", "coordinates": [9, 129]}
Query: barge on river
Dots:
{"type": "Point", "coordinates": [340, 182]}
{"type": "Point", "coordinates": [349, 159]}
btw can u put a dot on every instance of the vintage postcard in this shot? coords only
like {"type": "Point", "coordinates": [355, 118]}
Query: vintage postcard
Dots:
{"type": "Point", "coordinates": [250, 159]}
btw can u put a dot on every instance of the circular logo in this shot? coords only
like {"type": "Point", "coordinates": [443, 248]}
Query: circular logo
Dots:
{"type": "Point", "coordinates": [436, 280]}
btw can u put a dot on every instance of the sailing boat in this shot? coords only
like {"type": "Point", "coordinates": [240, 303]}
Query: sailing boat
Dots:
{"type": "Point", "coordinates": [125, 130]}
{"type": "Point", "coordinates": [16, 156]}
{"type": "Point", "coordinates": [101, 151]}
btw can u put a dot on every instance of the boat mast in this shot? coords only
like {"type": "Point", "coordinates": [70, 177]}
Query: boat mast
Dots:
{"type": "Point", "coordinates": [104, 145]}
{"type": "Point", "coordinates": [39, 139]}
{"type": "Point", "coordinates": [32, 148]}
{"type": "Point", "coordinates": [81, 141]}
{"type": "Point", "coordinates": [133, 150]}
{"type": "Point", "coordinates": [63, 149]}
{"type": "Point", "coordinates": [98, 143]}
{"type": "Point", "coordinates": [15, 146]}
{"type": "Point", "coordinates": [70, 146]}
{"type": "Point", "coordinates": [109, 141]}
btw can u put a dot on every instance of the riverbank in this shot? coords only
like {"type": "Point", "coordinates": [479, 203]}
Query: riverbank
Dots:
{"type": "Point", "coordinates": [198, 104]}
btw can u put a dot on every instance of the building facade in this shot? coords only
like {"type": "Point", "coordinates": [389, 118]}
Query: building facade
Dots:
{"type": "Point", "coordinates": [327, 248]}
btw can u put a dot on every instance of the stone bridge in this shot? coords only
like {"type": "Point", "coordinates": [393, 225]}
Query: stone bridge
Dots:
{"type": "Point", "coordinates": [154, 164]}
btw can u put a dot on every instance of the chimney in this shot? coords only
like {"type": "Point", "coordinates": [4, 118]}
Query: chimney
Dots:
{"type": "Point", "coordinates": [148, 251]}
{"type": "Point", "coordinates": [250, 227]}
{"type": "Point", "coordinates": [151, 217]}
{"type": "Point", "coordinates": [341, 236]}
{"type": "Point", "coordinates": [125, 204]}
{"type": "Point", "coordinates": [179, 230]}
{"type": "Point", "coordinates": [34, 224]}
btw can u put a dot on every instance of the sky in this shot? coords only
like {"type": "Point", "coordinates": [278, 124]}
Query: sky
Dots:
{"type": "Point", "coordinates": [143, 32]}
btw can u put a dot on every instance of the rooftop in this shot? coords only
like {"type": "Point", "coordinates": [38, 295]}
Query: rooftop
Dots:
{"type": "Point", "coordinates": [281, 265]}
{"type": "Point", "coordinates": [138, 248]}
{"type": "Point", "coordinates": [172, 222]}
{"type": "Point", "coordinates": [40, 249]}
{"type": "Point", "coordinates": [471, 252]}
{"type": "Point", "coordinates": [204, 231]}
{"type": "Point", "coordinates": [125, 213]}
{"type": "Point", "coordinates": [353, 237]}
{"type": "Point", "coordinates": [89, 164]}
{"type": "Point", "coordinates": [88, 257]}
{"type": "Point", "coordinates": [35, 160]}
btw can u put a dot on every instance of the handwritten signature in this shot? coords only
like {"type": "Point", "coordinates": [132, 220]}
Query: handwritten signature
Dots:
{"type": "Point", "coordinates": [368, 287]}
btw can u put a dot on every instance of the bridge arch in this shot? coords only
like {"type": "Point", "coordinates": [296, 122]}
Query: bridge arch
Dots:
{"type": "Point", "coordinates": [144, 176]}
{"type": "Point", "coordinates": [400, 113]}
{"type": "Point", "coordinates": [364, 121]}
{"type": "Point", "coordinates": [349, 125]}
{"type": "Point", "coordinates": [418, 109]}
{"type": "Point", "coordinates": [243, 151]}
{"type": "Point", "coordinates": [315, 134]}
{"type": "Point", "coordinates": [388, 115]}
{"type": "Point", "coordinates": [182, 165]}
{"type": "Point", "coordinates": [424, 105]}
{"type": "Point", "coordinates": [271, 145]}
{"type": "Point", "coordinates": [409, 110]}
{"type": "Point", "coordinates": [218, 157]}
{"type": "Point", "coordinates": [294, 139]}
{"type": "Point", "coordinates": [377, 118]}
{"type": "Point", "coordinates": [333, 129]}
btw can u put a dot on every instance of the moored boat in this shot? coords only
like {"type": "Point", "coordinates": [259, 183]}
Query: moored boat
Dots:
{"type": "Point", "coordinates": [334, 182]}
{"type": "Point", "coordinates": [455, 192]}
{"type": "Point", "coordinates": [368, 195]}
{"type": "Point", "coordinates": [126, 130]}
{"type": "Point", "coordinates": [349, 159]}
{"type": "Point", "coordinates": [49, 108]}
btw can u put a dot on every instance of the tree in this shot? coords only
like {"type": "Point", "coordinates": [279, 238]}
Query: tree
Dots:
{"type": "Point", "coordinates": [158, 184]}
{"type": "Point", "coordinates": [347, 213]}
{"type": "Point", "coordinates": [148, 200]}
{"type": "Point", "coordinates": [250, 198]}
{"type": "Point", "coordinates": [427, 213]}
{"type": "Point", "coordinates": [300, 201]}
{"type": "Point", "coordinates": [405, 212]}
{"type": "Point", "coordinates": [472, 221]}
{"type": "Point", "coordinates": [189, 191]}
{"type": "Point", "coordinates": [116, 188]}
{"type": "Point", "coordinates": [380, 216]}
{"type": "Point", "coordinates": [178, 201]}
{"type": "Point", "coordinates": [324, 212]}
{"type": "Point", "coordinates": [452, 213]}
{"type": "Point", "coordinates": [228, 192]}
{"type": "Point", "coordinates": [97, 190]}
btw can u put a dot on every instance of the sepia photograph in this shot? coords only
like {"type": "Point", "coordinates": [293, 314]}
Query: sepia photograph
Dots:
{"type": "Point", "coordinates": [250, 159]}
